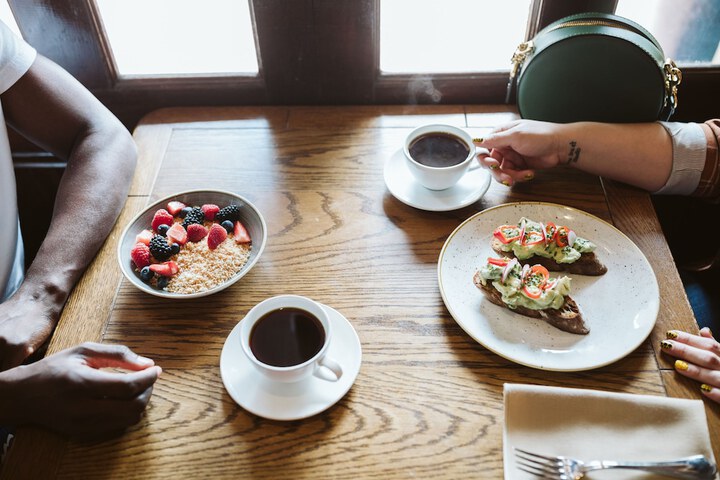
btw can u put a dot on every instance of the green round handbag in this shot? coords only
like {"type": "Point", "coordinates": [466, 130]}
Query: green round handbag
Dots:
{"type": "Point", "coordinates": [594, 67]}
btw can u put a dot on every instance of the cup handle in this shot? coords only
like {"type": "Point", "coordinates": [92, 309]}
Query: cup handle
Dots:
{"type": "Point", "coordinates": [476, 165]}
{"type": "Point", "coordinates": [328, 369]}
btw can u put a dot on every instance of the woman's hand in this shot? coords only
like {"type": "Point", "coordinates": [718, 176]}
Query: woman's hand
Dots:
{"type": "Point", "coordinates": [70, 393]}
{"type": "Point", "coordinates": [519, 148]}
{"type": "Point", "coordinates": [698, 357]}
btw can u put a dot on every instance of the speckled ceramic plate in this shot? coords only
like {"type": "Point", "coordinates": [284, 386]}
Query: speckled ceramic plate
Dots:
{"type": "Point", "coordinates": [620, 307]}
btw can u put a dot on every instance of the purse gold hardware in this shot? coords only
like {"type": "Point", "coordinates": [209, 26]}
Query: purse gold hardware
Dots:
{"type": "Point", "coordinates": [673, 78]}
{"type": "Point", "coordinates": [521, 53]}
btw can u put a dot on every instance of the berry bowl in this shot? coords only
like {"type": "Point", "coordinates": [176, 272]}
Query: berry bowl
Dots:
{"type": "Point", "coordinates": [192, 244]}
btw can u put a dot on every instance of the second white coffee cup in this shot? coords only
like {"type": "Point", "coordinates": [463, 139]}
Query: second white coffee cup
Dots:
{"type": "Point", "coordinates": [286, 339]}
{"type": "Point", "coordinates": [439, 155]}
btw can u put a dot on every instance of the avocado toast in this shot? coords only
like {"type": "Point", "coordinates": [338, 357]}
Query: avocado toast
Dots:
{"type": "Point", "coordinates": [557, 248]}
{"type": "Point", "coordinates": [529, 290]}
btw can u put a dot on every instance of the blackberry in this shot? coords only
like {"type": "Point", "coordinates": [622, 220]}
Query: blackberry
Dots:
{"type": "Point", "coordinates": [159, 248]}
{"type": "Point", "coordinates": [195, 215]}
{"type": "Point", "coordinates": [231, 212]}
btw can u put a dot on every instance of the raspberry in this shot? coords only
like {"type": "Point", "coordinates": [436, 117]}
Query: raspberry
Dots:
{"type": "Point", "coordinates": [196, 232]}
{"type": "Point", "coordinates": [162, 217]}
{"type": "Point", "coordinates": [216, 236]}
{"type": "Point", "coordinates": [210, 211]}
{"type": "Point", "coordinates": [140, 255]}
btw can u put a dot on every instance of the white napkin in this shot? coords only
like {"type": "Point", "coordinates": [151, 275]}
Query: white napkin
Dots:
{"type": "Point", "coordinates": [596, 425]}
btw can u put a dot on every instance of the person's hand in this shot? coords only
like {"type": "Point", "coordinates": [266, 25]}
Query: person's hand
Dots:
{"type": "Point", "coordinates": [519, 148]}
{"type": "Point", "coordinates": [24, 328]}
{"type": "Point", "coordinates": [698, 357]}
{"type": "Point", "coordinates": [70, 394]}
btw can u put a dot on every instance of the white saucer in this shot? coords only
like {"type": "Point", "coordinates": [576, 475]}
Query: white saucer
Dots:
{"type": "Point", "coordinates": [403, 186]}
{"type": "Point", "coordinates": [291, 401]}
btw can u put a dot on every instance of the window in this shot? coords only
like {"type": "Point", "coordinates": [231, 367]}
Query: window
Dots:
{"type": "Point", "coordinates": [179, 37]}
{"type": "Point", "coordinates": [447, 36]}
{"type": "Point", "coordinates": [331, 51]}
{"type": "Point", "coordinates": [689, 31]}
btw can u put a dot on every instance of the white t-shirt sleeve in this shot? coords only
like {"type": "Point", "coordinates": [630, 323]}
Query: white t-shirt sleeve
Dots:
{"type": "Point", "coordinates": [688, 149]}
{"type": "Point", "coordinates": [16, 57]}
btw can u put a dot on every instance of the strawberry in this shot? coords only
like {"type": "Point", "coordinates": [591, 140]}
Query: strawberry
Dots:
{"type": "Point", "coordinates": [165, 269]}
{"type": "Point", "coordinates": [177, 234]}
{"type": "Point", "coordinates": [196, 232]}
{"type": "Point", "coordinates": [162, 217]}
{"type": "Point", "coordinates": [216, 236]}
{"type": "Point", "coordinates": [174, 207]}
{"type": "Point", "coordinates": [144, 237]}
{"type": "Point", "coordinates": [140, 255]}
{"type": "Point", "coordinates": [210, 210]}
{"type": "Point", "coordinates": [241, 234]}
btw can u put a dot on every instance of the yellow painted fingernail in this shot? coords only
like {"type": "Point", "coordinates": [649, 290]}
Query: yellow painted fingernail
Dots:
{"type": "Point", "coordinates": [680, 365]}
{"type": "Point", "coordinates": [494, 166]}
{"type": "Point", "coordinates": [477, 140]}
{"type": "Point", "coordinates": [671, 334]}
{"type": "Point", "coordinates": [706, 388]}
{"type": "Point", "coordinates": [529, 176]}
{"type": "Point", "coordinates": [665, 345]}
{"type": "Point", "coordinates": [506, 183]}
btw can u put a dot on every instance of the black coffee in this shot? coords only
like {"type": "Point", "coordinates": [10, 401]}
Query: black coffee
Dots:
{"type": "Point", "coordinates": [286, 337]}
{"type": "Point", "coordinates": [437, 149]}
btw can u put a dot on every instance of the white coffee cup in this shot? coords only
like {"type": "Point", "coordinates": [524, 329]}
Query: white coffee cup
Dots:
{"type": "Point", "coordinates": [440, 177]}
{"type": "Point", "coordinates": [319, 365]}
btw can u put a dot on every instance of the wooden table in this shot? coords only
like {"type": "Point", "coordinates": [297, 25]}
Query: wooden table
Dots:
{"type": "Point", "coordinates": [428, 399]}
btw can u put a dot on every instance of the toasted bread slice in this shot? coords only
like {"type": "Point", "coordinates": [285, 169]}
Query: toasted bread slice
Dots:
{"type": "Point", "coordinates": [587, 264]}
{"type": "Point", "coordinates": [568, 318]}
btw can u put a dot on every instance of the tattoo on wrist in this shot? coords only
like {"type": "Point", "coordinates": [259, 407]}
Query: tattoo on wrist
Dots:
{"type": "Point", "coordinates": [574, 153]}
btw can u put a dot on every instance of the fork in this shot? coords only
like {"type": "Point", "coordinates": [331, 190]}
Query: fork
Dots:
{"type": "Point", "coordinates": [564, 468]}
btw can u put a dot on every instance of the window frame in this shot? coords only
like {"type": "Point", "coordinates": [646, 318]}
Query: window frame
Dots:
{"type": "Point", "coordinates": [321, 52]}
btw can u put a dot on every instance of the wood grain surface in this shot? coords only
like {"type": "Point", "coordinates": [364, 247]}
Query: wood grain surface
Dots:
{"type": "Point", "coordinates": [428, 399]}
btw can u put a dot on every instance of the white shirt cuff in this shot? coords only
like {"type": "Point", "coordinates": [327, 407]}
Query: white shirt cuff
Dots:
{"type": "Point", "coordinates": [689, 148]}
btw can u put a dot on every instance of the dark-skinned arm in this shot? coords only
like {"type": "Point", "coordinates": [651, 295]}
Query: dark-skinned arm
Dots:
{"type": "Point", "coordinates": [53, 110]}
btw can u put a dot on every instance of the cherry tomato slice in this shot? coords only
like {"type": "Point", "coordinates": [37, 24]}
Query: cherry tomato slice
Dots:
{"type": "Point", "coordinates": [500, 262]}
{"type": "Point", "coordinates": [534, 281]}
{"type": "Point", "coordinates": [507, 233]}
{"type": "Point", "coordinates": [561, 237]}
{"type": "Point", "coordinates": [550, 231]}
{"type": "Point", "coordinates": [532, 292]}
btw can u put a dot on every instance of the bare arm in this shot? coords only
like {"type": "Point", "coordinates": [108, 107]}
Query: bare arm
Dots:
{"type": "Point", "coordinates": [49, 107]}
{"type": "Point", "coordinates": [638, 154]}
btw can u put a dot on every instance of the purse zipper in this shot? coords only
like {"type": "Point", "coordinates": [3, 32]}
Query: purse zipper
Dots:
{"type": "Point", "coordinates": [526, 48]}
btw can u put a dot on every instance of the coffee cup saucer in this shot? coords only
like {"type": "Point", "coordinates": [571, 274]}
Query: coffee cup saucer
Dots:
{"type": "Point", "coordinates": [291, 401]}
{"type": "Point", "coordinates": [403, 186]}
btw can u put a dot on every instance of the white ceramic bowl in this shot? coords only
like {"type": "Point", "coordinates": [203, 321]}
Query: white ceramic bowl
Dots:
{"type": "Point", "coordinates": [250, 217]}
